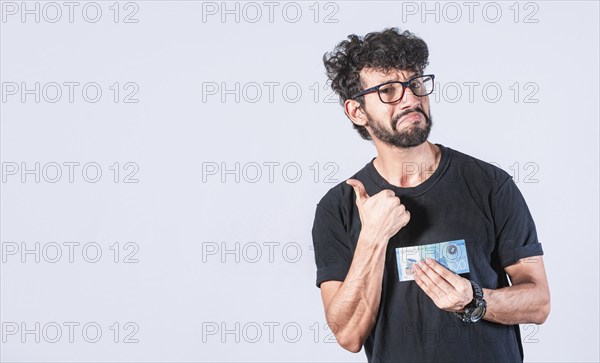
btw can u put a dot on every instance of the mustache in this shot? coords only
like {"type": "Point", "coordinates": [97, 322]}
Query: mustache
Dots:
{"type": "Point", "coordinates": [406, 112]}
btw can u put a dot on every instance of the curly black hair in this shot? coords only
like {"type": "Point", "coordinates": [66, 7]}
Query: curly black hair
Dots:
{"type": "Point", "coordinates": [384, 50]}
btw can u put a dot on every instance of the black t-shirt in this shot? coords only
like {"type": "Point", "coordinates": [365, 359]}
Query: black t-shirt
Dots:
{"type": "Point", "coordinates": [463, 199]}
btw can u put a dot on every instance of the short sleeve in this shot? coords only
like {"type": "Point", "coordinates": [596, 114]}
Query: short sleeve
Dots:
{"type": "Point", "coordinates": [516, 235]}
{"type": "Point", "coordinates": [333, 254]}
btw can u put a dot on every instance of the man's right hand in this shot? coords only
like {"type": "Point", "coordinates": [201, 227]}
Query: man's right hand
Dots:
{"type": "Point", "coordinates": [352, 305]}
{"type": "Point", "coordinates": [380, 215]}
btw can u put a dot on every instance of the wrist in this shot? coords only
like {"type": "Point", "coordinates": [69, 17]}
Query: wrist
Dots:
{"type": "Point", "coordinates": [487, 293]}
{"type": "Point", "coordinates": [475, 310]}
{"type": "Point", "coordinates": [469, 301]}
{"type": "Point", "coordinates": [373, 236]}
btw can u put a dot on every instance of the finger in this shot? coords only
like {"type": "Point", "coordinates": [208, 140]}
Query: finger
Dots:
{"type": "Point", "coordinates": [359, 189]}
{"type": "Point", "coordinates": [388, 193]}
{"type": "Point", "coordinates": [452, 278]}
{"type": "Point", "coordinates": [407, 212]}
{"type": "Point", "coordinates": [425, 283]}
{"type": "Point", "coordinates": [440, 285]}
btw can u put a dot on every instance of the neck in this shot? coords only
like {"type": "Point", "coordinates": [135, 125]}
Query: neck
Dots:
{"type": "Point", "coordinates": [408, 167]}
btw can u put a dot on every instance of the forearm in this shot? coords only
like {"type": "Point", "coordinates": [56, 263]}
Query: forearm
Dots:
{"type": "Point", "coordinates": [526, 302]}
{"type": "Point", "coordinates": [353, 309]}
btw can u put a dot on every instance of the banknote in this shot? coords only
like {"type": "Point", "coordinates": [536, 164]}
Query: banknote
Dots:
{"type": "Point", "coordinates": [451, 254]}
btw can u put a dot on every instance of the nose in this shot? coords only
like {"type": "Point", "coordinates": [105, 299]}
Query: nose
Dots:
{"type": "Point", "coordinates": [409, 100]}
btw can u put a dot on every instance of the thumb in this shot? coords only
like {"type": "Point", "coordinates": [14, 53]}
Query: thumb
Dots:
{"type": "Point", "coordinates": [359, 189]}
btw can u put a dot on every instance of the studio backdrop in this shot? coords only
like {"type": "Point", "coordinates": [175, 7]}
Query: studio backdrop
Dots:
{"type": "Point", "coordinates": [161, 164]}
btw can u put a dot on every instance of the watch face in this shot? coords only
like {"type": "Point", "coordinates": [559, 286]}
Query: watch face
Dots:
{"type": "Point", "coordinates": [478, 312]}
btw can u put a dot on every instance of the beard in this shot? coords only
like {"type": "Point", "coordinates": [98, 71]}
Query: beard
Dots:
{"type": "Point", "coordinates": [414, 135]}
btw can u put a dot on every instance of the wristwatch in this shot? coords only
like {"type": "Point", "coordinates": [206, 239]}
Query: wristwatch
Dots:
{"type": "Point", "coordinates": [475, 310]}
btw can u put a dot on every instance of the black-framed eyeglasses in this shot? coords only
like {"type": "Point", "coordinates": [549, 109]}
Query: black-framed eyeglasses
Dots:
{"type": "Point", "coordinates": [393, 91]}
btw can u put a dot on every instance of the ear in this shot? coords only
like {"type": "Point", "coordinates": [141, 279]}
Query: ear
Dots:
{"type": "Point", "coordinates": [355, 113]}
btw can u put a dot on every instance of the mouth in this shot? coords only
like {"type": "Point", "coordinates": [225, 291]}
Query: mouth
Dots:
{"type": "Point", "coordinates": [410, 117]}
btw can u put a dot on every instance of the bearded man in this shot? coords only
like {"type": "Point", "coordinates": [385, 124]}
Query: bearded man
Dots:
{"type": "Point", "coordinates": [414, 252]}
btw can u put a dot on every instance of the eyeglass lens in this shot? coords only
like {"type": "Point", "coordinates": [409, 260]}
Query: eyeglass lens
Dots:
{"type": "Point", "coordinates": [392, 92]}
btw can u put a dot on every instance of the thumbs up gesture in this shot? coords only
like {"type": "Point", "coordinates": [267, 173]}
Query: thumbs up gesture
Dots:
{"type": "Point", "coordinates": [382, 214]}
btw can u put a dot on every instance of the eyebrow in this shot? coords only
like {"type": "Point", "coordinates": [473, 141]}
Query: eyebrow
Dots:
{"type": "Point", "coordinates": [396, 80]}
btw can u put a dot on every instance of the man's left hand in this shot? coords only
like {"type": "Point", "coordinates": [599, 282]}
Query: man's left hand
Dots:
{"type": "Point", "coordinates": [448, 291]}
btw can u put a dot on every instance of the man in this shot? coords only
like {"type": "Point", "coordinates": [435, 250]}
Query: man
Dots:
{"type": "Point", "coordinates": [415, 193]}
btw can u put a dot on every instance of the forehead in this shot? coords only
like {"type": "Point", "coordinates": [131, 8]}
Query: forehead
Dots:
{"type": "Point", "coordinates": [374, 76]}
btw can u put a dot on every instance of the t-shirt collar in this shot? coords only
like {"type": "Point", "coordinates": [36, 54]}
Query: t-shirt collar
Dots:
{"type": "Point", "coordinates": [419, 189]}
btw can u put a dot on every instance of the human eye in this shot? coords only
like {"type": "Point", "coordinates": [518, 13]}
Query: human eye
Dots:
{"type": "Point", "coordinates": [386, 89]}
{"type": "Point", "coordinates": [417, 82]}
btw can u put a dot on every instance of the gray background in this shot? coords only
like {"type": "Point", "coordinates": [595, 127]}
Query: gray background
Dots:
{"type": "Point", "coordinates": [222, 270]}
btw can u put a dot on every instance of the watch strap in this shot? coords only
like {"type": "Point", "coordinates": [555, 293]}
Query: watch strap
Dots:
{"type": "Point", "coordinates": [478, 300]}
